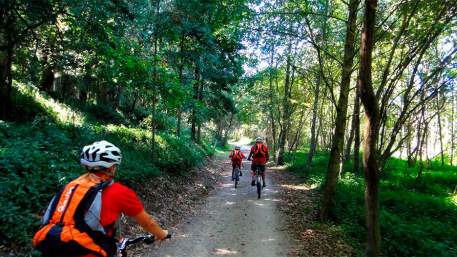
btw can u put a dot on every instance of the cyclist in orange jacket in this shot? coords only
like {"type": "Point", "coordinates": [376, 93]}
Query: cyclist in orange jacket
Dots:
{"type": "Point", "coordinates": [80, 220]}
{"type": "Point", "coordinates": [237, 157]}
{"type": "Point", "coordinates": [260, 156]}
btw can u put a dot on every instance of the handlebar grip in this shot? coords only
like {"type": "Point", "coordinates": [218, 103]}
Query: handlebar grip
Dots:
{"type": "Point", "coordinates": [149, 239]}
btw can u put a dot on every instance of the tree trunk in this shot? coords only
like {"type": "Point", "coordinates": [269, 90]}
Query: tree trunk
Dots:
{"type": "Point", "coordinates": [297, 133]}
{"type": "Point", "coordinates": [285, 112]}
{"type": "Point", "coordinates": [6, 61]}
{"type": "Point", "coordinates": [313, 143]}
{"type": "Point", "coordinates": [6, 81]}
{"type": "Point", "coordinates": [440, 133]}
{"type": "Point", "coordinates": [340, 122]}
{"type": "Point", "coordinates": [155, 86]}
{"type": "Point", "coordinates": [452, 127]}
{"type": "Point", "coordinates": [421, 152]}
{"type": "Point", "coordinates": [181, 81]}
{"type": "Point", "coordinates": [409, 146]}
{"type": "Point", "coordinates": [370, 160]}
{"type": "Point", "coordinates": [194, 108]}
{"type": "Point", "coordinates": [347, 152]}
{"type": "Point", "coordinates": [199, 126]}
{"type": "Point", "coordinates": [356, 124]}
{"type": "Point", "coordinates": [227, 129]}
{"type": "Point", "coordinates": [272, 106]}
{"type": "Point", "coordinates": [47, 78]}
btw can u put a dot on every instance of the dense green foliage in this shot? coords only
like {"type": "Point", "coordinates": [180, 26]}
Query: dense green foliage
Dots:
{"type": "Point", "coordinates": [38, 157]}
{"type": "Point", "coordinates": [166, 81]}
{"type": "Point", "coordinates": [418, 217]}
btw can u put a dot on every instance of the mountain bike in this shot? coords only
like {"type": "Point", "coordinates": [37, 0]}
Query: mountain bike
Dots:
{"type": "Point", "coordinates": [236, 175]}
{"type": "Point", "coordinates": [126, 242]}
{"type": "Point", "coordinates": [258, 181]}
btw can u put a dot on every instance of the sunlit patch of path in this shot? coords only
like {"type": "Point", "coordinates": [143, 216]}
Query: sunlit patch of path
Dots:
{"type": "Point", "coordinates": [233, 222]}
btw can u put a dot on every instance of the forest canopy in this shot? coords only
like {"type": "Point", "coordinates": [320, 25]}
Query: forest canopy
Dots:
{"type": "Point", "coordinates": [367, 86]}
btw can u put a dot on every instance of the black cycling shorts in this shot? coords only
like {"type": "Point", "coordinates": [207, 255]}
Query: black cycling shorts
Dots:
{"type": "Point", "coordinates": [254, 167]}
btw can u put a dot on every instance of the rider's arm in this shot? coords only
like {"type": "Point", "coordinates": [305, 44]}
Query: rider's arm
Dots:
{"type": "Point", "coordinates": [250, 154]}
{"type": "Point", "coordinates": [150, 225]}
{"type": "Point", "coordinates": [126, 200]}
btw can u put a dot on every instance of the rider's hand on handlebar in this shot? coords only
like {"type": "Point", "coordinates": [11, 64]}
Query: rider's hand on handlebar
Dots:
{"type": "Point", "coordinates": [164, 235]}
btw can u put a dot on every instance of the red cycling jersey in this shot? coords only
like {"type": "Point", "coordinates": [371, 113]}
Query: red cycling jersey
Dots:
{"type": "Point", "coordinates": [117, 199]}
{"type": "Point", "coordinates": [237, 157]}
{"type": "Point", "coordinates": [259, 153]}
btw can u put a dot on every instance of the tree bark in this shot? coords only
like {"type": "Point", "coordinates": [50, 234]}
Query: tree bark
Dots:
{"type": "Point", "coordinates": [6, 60]}
{"type": "Point", "coordinates": [296, 138]}
{"type": "Point", "coordinates": [440, 128]}
{"type": "Point", "coordinates": [156, 81]}
{"type": "Point", "coordinates": [313, 143]}
{"type": "Point", "coordinates": [347, 152]}
{"type": "Point", "coordinates": [194, 107]}
{"type": "Point", "coordinates": [6, 81]}
{"type": "Point", "coordinates": [181, 81]}
{"type": "Point", "coordinates": [452, 127]}
{"type": "Point", "coordinates": [371, 105]}
{"type": "Point", "coordinates": [199, 126]}
{"type": "Point", "coordinates": [272, 105]}
{"type": "Point", "coordinates": [423, 141]}
{"type": "Point", "coordinates": [356, 124]}
{"type": "Point", "coordinates": [47, 78]}
{"type": "Point", "coordinates": [340, 122]}
{"type": "Point", "coordinates": [285, 112]}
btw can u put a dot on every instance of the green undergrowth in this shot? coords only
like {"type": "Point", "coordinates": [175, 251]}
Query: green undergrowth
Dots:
{"type": "Point", "coordinates": [418, 217]}
{"type": "Point", "coordinates": [38, 156]}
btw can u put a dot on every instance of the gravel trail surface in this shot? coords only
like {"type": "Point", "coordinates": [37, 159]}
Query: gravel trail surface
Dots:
{"type": "Point", "coordinates": [232, 222]}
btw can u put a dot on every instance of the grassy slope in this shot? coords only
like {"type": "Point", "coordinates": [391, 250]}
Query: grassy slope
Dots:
{"type": "Point", "coordinates": [418, 218]}
{"type": "Point", "coordinates": [36, 157]}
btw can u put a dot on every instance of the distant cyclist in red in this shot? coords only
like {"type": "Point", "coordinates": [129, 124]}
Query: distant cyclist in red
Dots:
{"type": "Point", "coordinates": [81, 218]}
{"type": "Point", "coordinates": [237, 157]}
{"type": "Point", "coordinates": [260, 156]}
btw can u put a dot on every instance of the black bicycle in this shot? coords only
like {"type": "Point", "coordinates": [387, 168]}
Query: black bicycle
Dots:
{"type": "Point", "coordinates": [236, 175]}
{"type": "Point", "coordinates": [126, 242]}
{"type": "Point", "coordinates": [258, 180]}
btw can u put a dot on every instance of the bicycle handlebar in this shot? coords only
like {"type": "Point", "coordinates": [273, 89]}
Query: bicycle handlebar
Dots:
{"type": "Point", "coordinates": [146, 239]}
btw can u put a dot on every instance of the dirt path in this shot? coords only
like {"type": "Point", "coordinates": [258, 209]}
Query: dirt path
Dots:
{"type": "Point", "coordinates": [232, 222]}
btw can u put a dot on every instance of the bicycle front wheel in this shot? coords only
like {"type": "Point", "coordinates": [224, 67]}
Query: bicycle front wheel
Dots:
{"type": "Point", "coordinates": [237, 176]}
{"type": "Point", "coordinates": [259, 187]}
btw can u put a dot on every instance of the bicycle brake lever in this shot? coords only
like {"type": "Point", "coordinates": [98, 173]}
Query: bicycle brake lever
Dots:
{"type": "Point", "coordinates": [123, 243]}
{"type": "Point", "coordinates": [149, 239]}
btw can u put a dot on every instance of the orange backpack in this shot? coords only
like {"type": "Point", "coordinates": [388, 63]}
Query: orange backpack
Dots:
{"type": "Point", "coordinates": [236, 156]}
{"type": "Point", "coordinates": [260, 151]}
{"type": "Point", "coordinates": [72, 221]}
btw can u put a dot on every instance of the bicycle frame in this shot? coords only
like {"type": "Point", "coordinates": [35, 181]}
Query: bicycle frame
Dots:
{"type": "Point", "coordinates": [236, 175]}
{"type": "Point", "coordinates": [258, 175]}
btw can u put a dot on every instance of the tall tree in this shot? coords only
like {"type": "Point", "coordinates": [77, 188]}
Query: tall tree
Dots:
{"type": "Point", "coordinates": [372, 115]}
{"type": "Point", "coordinates": [285, 107]}
{"type": "Point", "coordinates": [341, 110]}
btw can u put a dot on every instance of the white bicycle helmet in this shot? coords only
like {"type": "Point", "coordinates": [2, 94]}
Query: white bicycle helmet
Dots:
{"type": "Point", "coordinates": [237, 147]}
{"type": "Point", "coordinates": [259, 139]}
{"type": "Point", "coordinates": [100, 154]}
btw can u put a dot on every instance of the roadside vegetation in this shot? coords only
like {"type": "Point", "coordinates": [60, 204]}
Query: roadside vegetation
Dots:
{"type": "Point", "coordinates": [418, 216]}
{"type": "Point", "coordinates": [170, 81]}
{"type": "Point", "coordinates": [39, 156]}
